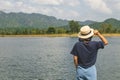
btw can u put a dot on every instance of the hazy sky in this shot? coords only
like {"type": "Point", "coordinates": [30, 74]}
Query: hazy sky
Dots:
{"type": "Point", "coordinates": [81, 10]}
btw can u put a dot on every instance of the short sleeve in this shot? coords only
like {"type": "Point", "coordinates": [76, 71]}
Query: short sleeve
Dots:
{"type": "Point", "coordinates": [74, 50]}
{"type": "Point", "coordinates": [100, 44]}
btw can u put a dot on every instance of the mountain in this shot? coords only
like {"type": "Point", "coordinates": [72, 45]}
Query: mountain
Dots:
{"type": "Point", "coordinates": [111, 21]}
{"type": "Point", "coordinates": [87, 22]}
{"type": "Point", "coordinates": [29, 20]}
{"type": "Point", "coordinates": [41, 21]}
{"type": "Point", "coordinates": [33, 20]}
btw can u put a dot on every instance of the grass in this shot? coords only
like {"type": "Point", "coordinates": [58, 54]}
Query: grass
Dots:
{"type": "Point", "coordinates": [112, 34]}
{"type": "Point", "coordinates": [58, 35]}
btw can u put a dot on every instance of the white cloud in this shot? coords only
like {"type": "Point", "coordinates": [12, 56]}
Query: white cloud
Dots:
{"type": "Point", "coordinates": [17, 6]}
{"type": "Point", "coordinates": [65, 9]}
{"type": "Point", "coordinates": [61, 9]}
{"type": "Point", "coordinates": [117, 6]}
{"type": "Point", "coordinates": [5, 5]}
{"type": "Point", "coordinates": [114, 5]}
{"type": "Point", "coordinates": [59, 12]}
{"type": "Point", "coordinates": [48, 2]}
{"type": "Point", "coordinates": [72, 3]}
{"type": "Point", "coordinates": [70, 14]}
{"type": "Point", "coordinates": [57, 2]}
{"type": "Point", "coordinates": [19, 3]}
{"type": "Point", "coordinates": [99, 5]}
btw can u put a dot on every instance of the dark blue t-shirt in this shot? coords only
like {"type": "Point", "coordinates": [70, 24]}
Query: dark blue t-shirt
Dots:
{"type": "Point", "coordinates": [87, 52]}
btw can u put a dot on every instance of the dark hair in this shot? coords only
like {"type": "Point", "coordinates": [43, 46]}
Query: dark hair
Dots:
{"type": "Point", "coordinates": [88, 39]}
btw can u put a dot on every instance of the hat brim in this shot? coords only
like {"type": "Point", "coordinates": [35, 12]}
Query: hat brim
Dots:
{"type": "Point", "coordinates": [86, 36]}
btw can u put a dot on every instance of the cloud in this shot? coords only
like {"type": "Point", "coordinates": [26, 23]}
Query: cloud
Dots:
{"type": "Point", "coordinates": [48, 2]}
{"type": "Point", "coordinates": [16, 6]}
{"type": "Point", "coordinates": [118, 6]}
{"type": "Point", "coordinates": [69, 14]}
{"type": "Point", "coordinates": [99, 5]}
{"type": "Point", "coordinates": [5, 5]}
{"type": "Point", "coordinates": [72, 3]}
{"type": "Point", "coordinates": [65, 9]}
{"type": "Point", "coordinates": [57, 2]}
{"type": "Point", "coordinates": [113, 4]}
{"type": "Point", "coordinates": [59, 12]}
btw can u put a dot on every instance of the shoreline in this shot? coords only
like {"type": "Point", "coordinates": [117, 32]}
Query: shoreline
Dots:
{"type": "Point", "coordinates": [58, 35]}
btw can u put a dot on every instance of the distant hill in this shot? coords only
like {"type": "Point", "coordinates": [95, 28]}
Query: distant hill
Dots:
{"type": "Point", "coordinates": [113, 22]}
{"type": "Point", "coordinates": [87, 22]}
{"type": "Point", "coordinates": [33, 20]}
{"type": "Point", "coordinates": [29, 20]}
{"type": "Point", "coordinates": [41, 21]}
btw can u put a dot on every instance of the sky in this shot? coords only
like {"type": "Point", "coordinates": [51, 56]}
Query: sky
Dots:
{"type": "Point", "coordinates": [80, 10]}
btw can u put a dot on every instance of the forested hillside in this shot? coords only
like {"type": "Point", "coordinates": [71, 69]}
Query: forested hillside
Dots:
{"type": "Point", "coordinates": [23, 23]}
{"type": "Point", "coordinates": [29, 20]}
{"type": "Point", "coordinates": [110, 25]}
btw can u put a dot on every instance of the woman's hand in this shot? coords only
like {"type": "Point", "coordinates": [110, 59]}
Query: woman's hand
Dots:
{"type": "Point", "coordinates": [96, 32]}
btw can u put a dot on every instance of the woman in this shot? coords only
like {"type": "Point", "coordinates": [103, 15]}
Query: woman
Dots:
{"type": "Point", "coordinates": [85, 53]}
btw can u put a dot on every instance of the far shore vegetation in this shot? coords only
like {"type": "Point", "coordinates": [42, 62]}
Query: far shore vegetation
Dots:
{"type": "Point", "coordinates": [71, 31]}
{"type": "Point", "coordinates": [58, 35]}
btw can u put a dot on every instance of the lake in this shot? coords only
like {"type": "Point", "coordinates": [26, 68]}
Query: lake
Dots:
{"type": "Point", "coordinates": [49, 58]}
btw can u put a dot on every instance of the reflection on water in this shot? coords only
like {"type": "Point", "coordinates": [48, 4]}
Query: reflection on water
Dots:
{"type": "Point", "coordinates": [46, 58]}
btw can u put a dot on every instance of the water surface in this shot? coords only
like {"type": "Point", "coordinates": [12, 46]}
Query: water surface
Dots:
{"type": "Point", "coordinates": [48, 58]}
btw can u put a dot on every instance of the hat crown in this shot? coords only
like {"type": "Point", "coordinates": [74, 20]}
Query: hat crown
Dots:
{"type": "Point", "coordinates": [85, 30]}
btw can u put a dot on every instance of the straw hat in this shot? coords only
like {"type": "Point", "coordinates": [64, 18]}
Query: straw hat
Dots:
{"type": "Point", "coordinates": [85, 32]}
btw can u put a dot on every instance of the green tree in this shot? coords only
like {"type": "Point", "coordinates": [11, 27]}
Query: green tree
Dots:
{"type": "Point", "coordinates": [106, 28]}
{"type": "Point", "coordinates": [74, 26]}
{"type": "Point", "coordinates": [51, 30]}
{"type": "Point", "coordinates": [60, 30]}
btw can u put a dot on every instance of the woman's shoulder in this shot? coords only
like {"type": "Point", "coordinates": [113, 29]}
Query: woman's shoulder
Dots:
{"type": "Point", "coordinates": [96, 41]}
